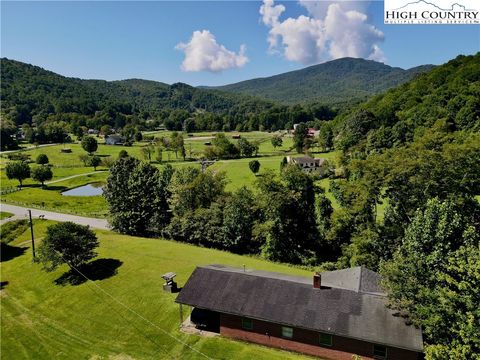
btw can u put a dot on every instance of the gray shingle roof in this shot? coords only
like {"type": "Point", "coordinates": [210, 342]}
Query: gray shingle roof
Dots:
{"type": "Point", "coordinates": [307, 160]}
{"type": "Point", "coordinates": [358, 279]}
{"type": "Point", "coordinates": [353, 310]}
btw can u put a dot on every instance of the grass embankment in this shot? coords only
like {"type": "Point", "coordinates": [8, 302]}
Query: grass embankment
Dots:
{"type": "Point", "coordinates": [43, 320]}
{"type": "Point", "coordinates": [5, 215]}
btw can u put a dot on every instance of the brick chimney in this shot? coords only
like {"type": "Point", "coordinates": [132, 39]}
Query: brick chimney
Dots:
{"type": "Point", "coordinates": [317, 280]}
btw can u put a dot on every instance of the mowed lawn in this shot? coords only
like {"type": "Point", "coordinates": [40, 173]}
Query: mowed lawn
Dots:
{"type": "Point", "coordinates": [43, 320]}
{"type": "Point", "coordinates": [66, 165]}
{"type": "Point", "coordinates": [51, 198]}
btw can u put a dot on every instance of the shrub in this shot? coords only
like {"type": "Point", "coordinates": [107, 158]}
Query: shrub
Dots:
{"type": "Point", "coordinates": [12, 229]}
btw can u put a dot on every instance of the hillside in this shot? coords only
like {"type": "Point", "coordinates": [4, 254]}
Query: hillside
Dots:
{"type": "Point", "coordinates": [336, 81]}
{"type": "Point", "coordinates": [28, 91]}
{"type": "Point", "coordinates": [84, 322]}
{"type": "Point", "coordinates": [449, 92]}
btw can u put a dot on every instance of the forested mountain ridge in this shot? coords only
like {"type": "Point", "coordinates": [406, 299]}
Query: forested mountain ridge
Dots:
{"type": "Point", "coordinates": [449, 92]}
{"type": "Point", "coordinates": [336, 81]}
{"type": "Point", "coordinates": [29, 91]}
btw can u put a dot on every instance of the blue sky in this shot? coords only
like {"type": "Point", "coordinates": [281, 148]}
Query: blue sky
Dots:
{"type": "Point", "coordinates": [120, 40]}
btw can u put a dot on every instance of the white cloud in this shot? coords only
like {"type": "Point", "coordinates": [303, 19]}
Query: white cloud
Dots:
{"type": "Point", "coordinates": [350, 34]}
{"type": "Point", "coordinates": [303, 39]}
{"type": "Point", "coordinates": [270, 13]}
{"type": "Point", "coordinates": [318, 9]}
{"type": "Point", "coordinates": [203, 53]}
{"type": "Point", "coordinates": [332, 30]}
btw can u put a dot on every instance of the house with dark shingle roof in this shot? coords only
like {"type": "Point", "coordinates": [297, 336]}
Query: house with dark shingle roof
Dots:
{"type": "Point", "coordinates": [335, 315]}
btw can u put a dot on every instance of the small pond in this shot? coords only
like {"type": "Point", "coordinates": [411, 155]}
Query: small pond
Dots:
{"type": "Point", "coordinates": [85, 190]}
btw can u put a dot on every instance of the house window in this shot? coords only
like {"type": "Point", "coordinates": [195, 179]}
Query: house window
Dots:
{"type": "Point", "coordinates": [247, 324]}
{"type": "Point", "coordinates": [379, 352]}
{"type": "Point", "coordinates": [287, 332]}
{"type": "Point", "coordinates": [326, 339]}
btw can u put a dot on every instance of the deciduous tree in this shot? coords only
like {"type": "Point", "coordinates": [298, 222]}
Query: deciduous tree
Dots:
{"type": "Point", "coordinates": [89, 144]}
{"type": "Point", "coordinates": [276, 141]}
{"type": "Point", "coordinates": [94, 161]}
{"type": "Point", "coordinates": [18, 170]}
{"type": "Point", "coordinates": [42, 174]}
{"type": "Point", "coordinates": [428, 279]}
{"type": "Point", "coordinates": [132, 195]}
{"type": "Point", "coordinates": [239, 217]}
{"type": "Point", "coordinates": [67, 243]}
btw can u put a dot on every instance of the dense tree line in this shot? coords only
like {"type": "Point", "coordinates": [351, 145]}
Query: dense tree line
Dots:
{"type": "Point", "coordinates": [427, 244]}
{"type": "Point", "coordinates": [449, 92]}
{"type": "Point", "coordinates": [50, 106]}
{"type": "Point", "coordinates": [192, 206]}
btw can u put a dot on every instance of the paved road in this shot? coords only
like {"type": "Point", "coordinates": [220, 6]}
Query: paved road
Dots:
{"type": "Point", "coordinates": [21, 213]}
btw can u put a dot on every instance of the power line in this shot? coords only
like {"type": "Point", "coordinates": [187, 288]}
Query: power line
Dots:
{"type": "Point", "coordinates": [137, 314]}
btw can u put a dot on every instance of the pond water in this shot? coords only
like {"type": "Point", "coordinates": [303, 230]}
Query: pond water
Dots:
{"type": "Point", "coordinates": [85, 190]}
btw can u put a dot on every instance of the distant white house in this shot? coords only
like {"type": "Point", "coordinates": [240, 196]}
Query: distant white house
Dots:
{"type": "Point", "coordinates": [114, 139]}
{"type": "Point", "coordinates": [309, 164]}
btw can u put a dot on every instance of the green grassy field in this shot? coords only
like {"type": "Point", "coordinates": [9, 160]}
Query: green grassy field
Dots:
{"type": "Point", "coordinates": [43, 320]}
{"type": "Point", "coordinates": [5, 215]}
{"type": "Point", "coordinates": [68, 164]}
{"type": "Point", "coordinates": [197, 146]}
{"type": "Point", "coordinates": [239, 174]}
{"type": "Point", "coordinates": [51, 198]}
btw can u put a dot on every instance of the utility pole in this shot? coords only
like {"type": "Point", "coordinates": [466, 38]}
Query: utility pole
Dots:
{"type": "Point", "coordinates": [31, 232]}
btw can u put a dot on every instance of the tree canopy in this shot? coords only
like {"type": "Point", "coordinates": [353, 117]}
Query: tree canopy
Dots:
{"type": "Point", "coordinates": [18, 170]}
{"type": "Point", "coordinates": [67, 243]}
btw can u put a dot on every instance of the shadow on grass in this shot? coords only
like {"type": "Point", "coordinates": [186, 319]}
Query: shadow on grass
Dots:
{"type": "Point", "coordinates": [3, 284]}
{"type": "Point", "coordinates": [8, 252]}
{"type": "Point", "coordinates": [98, 269]}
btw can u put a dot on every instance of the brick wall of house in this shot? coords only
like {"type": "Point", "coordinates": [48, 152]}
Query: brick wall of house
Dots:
{"type": "Point", "coordinates": [305, 341]}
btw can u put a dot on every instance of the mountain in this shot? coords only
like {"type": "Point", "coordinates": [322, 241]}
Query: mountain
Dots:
{"type": "Point", "coordinates": [449, 93]}
{"type": "Point", "coordinates": [29, 91]}
{"type": "Point", "coordinates": [333, 82]}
